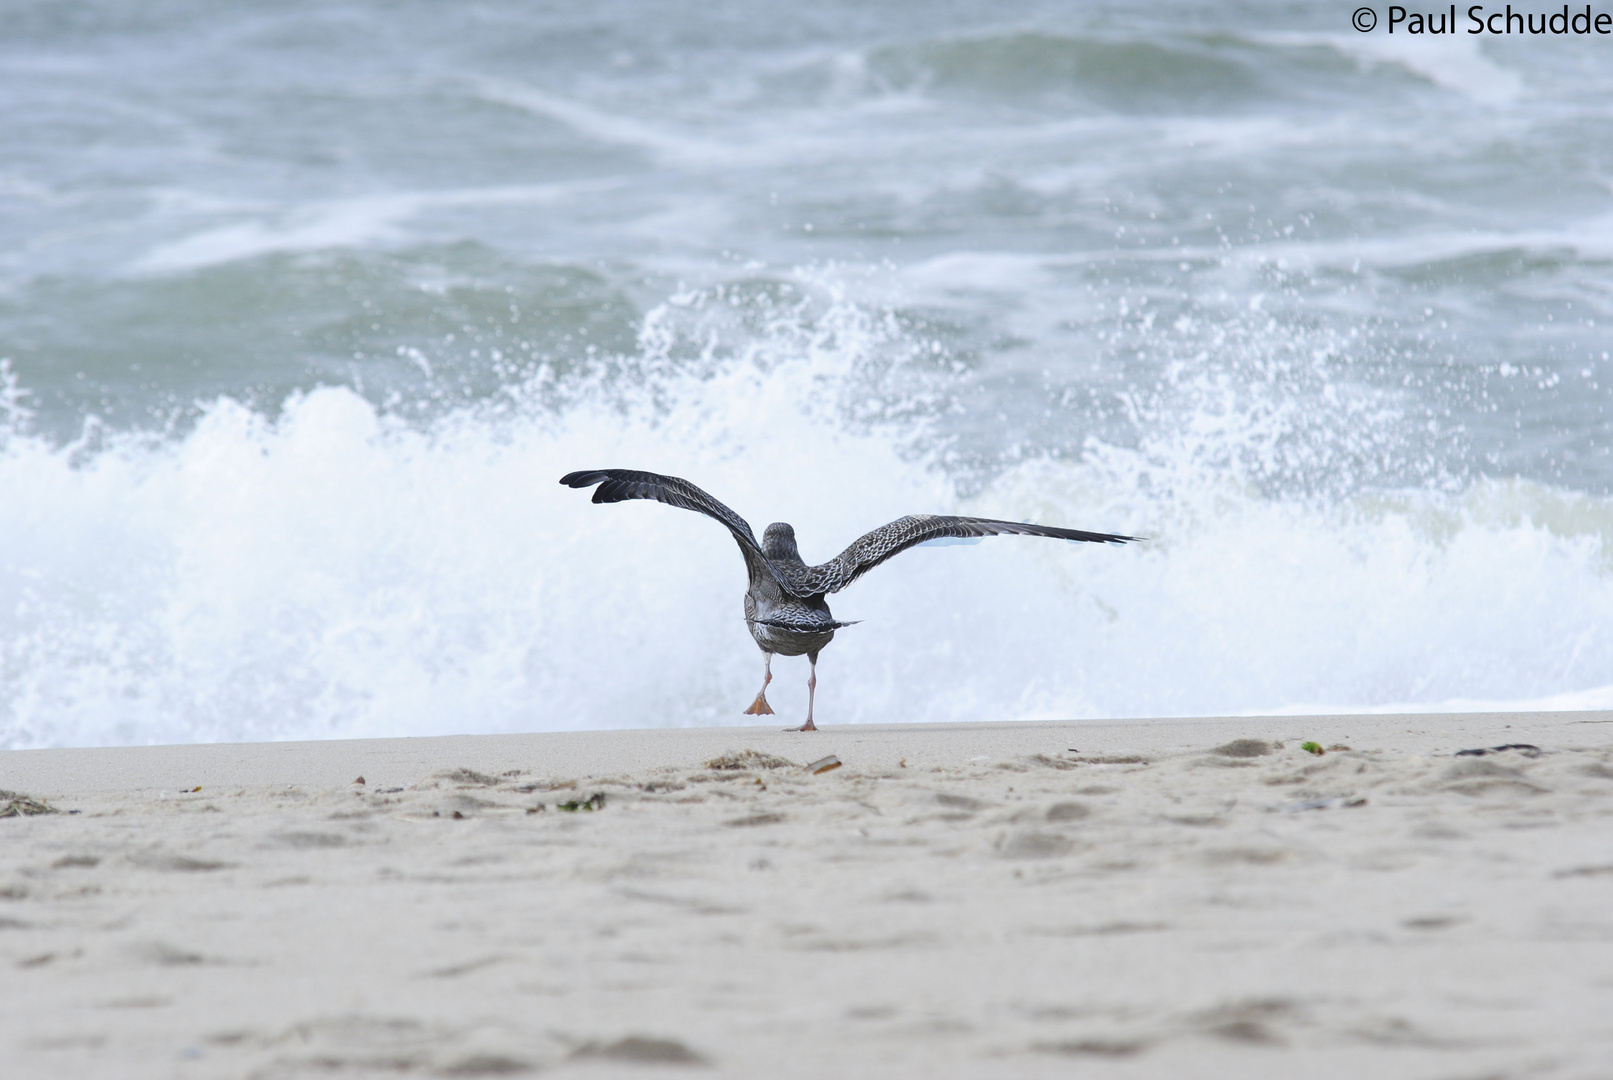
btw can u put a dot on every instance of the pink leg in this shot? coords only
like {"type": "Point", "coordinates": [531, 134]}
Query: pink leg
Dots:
{"type": "Point", "coordinates": [760, 707]}
{"type": "Point", "coordinates": [812, 694]}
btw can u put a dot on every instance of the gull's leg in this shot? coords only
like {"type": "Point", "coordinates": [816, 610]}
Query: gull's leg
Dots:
{"type": "Point", "coordinates": [812, 693]}
{"type": "Point", "coordinates": [760, 707]}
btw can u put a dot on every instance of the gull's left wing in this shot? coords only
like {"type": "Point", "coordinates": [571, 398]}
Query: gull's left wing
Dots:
{"type": "Point", "coordinates": [619, 485]}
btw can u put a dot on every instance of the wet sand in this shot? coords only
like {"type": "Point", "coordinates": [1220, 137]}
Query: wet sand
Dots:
{"type": "Point", "coordinates": [1148, 898]}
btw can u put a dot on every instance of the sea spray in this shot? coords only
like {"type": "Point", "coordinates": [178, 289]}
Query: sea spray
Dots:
{"type": "Point", "coordinates": [303, 315]}
{"type": "Point", "coordinates": [337, 571]}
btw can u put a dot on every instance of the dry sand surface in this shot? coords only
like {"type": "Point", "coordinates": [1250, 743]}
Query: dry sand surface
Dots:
{"type": "Point", "coordinates": [1150, 898]}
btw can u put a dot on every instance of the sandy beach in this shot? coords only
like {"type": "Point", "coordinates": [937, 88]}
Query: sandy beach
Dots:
{"type": "Point", "coordinates": [1147, 898]}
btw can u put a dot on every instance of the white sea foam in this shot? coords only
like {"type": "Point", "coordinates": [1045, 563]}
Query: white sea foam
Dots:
{"type": "Point", "coordinates": [325, 224]}
{"type": "Point", "coordinates": [597, 124]}
{"type": "Point", "coordinates": [307, 229]}
{"type": "Point", "coordinates": [1456, 63]}
{"type": "Point", "coordinates": [1279, 301]}
{"type": "Point", "coordinates": [335, 572]}
{"type": "Point", "coordinates": [1596, 699]}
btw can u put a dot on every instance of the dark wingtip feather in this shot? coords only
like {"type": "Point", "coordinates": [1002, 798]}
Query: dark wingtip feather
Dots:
{"type": "Point", "coordinates": [1076, 536]}
{"type": "Point", "coordinates": [584, 478]}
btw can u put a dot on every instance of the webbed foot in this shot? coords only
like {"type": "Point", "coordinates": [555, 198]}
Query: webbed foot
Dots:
{"type": "Point", "coordinates": [759, 707]}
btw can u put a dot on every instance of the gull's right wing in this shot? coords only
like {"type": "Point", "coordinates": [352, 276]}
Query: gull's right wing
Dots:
{"type": "Point", "coordinates": [871, 549]}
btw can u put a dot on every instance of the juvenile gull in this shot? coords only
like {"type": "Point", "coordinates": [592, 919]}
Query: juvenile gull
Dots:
{"type": "Point", "coordinates": [784, 606]}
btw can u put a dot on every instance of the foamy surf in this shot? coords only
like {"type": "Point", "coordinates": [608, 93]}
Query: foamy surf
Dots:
{"type": "Point", "coordinates": [335, 571]}
{"type": "Point", "coordinates": [297, 349]}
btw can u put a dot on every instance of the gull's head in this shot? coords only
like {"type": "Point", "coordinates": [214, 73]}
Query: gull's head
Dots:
{"type": "Point", "coordinates": [779, 542]}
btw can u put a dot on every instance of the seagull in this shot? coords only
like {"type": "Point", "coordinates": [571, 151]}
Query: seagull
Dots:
{"type": "Point", "coordinates": [784, 605]}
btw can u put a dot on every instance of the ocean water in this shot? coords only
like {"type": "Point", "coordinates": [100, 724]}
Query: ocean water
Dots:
{"type": "Point", "coordinates": [304, 309]}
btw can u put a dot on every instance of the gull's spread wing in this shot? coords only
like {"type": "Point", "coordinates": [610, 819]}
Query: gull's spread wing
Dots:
{"type": "Point", "coordinates": [619, 485]}
{"type": "Point", "coordinates": [871, 549]}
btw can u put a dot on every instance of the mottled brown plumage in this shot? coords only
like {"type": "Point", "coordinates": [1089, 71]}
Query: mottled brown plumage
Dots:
{"type": "Point", "coordinates": [784, 605]}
